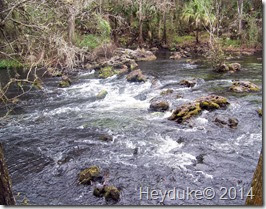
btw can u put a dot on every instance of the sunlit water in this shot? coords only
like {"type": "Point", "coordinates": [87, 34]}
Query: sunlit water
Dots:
{"type": "Point", "coordinates": [53, 135]}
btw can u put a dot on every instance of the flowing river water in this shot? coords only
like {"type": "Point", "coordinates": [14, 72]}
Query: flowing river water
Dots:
{"type": "Point", "coordinates": [52, 135]}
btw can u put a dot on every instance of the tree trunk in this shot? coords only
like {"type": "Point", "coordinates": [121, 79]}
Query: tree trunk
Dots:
{"type": "Point", "coordinates": [159, 26]}
{"type": "Point", "coordinates": [197, 35]}
{"type": "Point", "coordinates": [6, 196]}
{"type": "Point", "coordinates": [257, 186]}
{"type": "Point", "coordinates": [71, 27]}
{"type": "Point", "coordinates": [164, 28]}
{"type": "Point", "coordinates": [140, 24]}
{"type": "Point", "coordinates": [240, 14]}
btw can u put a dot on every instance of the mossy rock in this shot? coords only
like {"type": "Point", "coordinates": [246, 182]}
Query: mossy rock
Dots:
{"type": "Point", "coordinates": [259, 111]}
{"type": "Point", "coordinates": [111, 193]}
{"type": "Point", "coordinates": [222, 68]}
{"type": "Point", "coordinates": [107, 72]}
{"type": "Point", "coordinates": [244, 86]}
{"type": "Point", "coordinates": [65, 82]}
{"type": "Point", "coordinates": [167, 92]}
{"type": "Point", "coordinates": [87, 175]}
{"type": "Point", "coordinates": [212, 102]}
{"type": "Point", "coordinates": [185, 112]}
{"type": "Point", "coordinates": [102, 94]}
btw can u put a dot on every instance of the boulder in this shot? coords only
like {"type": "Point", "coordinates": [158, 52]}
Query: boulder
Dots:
{"type": "Point", "coordinates": [176, 56]}
{"type": "Point", "coordinates": [185, 112]}
{"type": "Point", "coordinates": [212, 102]}
{"type": "Point", "coordinates": [108, 192]}
{"type": "Point", "coordinates": [102, 94]}
{"type": "Point", "coordinates": [159, 106]}
{"type": "Point", "coordinates": [225, 121]}
{"type": "Point", "coordinates": [234, 67]}
{"type": "Point", "coordinates": [188, 83]}
{"type": "Point", "coordinates": [232, 122]}
{"type": "Point", "coordinates": [87, 175]}
{"type": "Point", "coordinates": [136, 76]}
{"type": "Point", "coordinates": [222, 68]}
{"type": "Point", "coordinates": [244, 86]}
{"type": "Point", "coordinates": [106, 72]}
{"type": "Point", "coordinates": [65, 82]}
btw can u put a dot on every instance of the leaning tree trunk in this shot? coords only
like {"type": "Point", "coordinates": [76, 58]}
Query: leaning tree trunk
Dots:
{"type": "Point", "coordinates": [164, 28]}
{"type": "Point", "coordinates": [6, 196]}
{"type": "Point", "coordinates": [256, 185]}
{"type": "Point", "coordinates": [140, 24]}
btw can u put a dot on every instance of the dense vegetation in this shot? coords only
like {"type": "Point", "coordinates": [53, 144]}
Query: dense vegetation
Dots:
{"type": "Point", "coordinates": [64, 34]}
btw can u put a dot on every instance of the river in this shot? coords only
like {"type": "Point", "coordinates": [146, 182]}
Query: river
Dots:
{"type": "Point", "coordinates": [52, 135]}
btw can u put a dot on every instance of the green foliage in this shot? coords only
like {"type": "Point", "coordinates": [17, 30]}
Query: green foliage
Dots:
{"type": "Point", "coordinates": [90, 41]}
{"type": "Point", "coordinates": [10, 64]}
{"type": "Point", "coordinates": [182, 39]}
{"type": "Point", "coordinates": [227, 42]}
{"type": "Point", "coordinates": [253, 34]}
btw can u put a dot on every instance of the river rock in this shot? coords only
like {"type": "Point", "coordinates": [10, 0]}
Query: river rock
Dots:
{"type": "Point", "coordinates": [259, 111]}
{"type": "Point", "coordinates": [212, 102]}
{"type": "Point", "coordinates": [222, 68]}
{"type": "Point", "coordinates": [65, 82]}
{"type": "Point", "coordinates": [102, 94]}
{"type": "Point", "coordinates": [106, 72]}
{"type": "Point", "coordinates": [87, 175]}
{"type": "Point", "coordinates": [234, 67]}
{"type": "Point", "coordinates": [167, 92]}
{"type": "Point", "coordinates": [188, 83]}
{"type": "Point", "coordinates": [159, 106]}
{"type": "Point", "coordinates": [244, 86]}
{"type": "Point", "coordinates": [136, 76]}
{"type": "Point", "coordinates": [232, 122]}
{"type": "Point", "coordinates": [137, 55]}
{"type": "Point", "coordinates": [176, 56]}
{"type": "Point", "coordinates": [225, 121]}
{"type": "Point", "coordinates": [106, 138]}
{"type": "Point", "coordinates": [185, 112]}
{"type": "Point", "coordinates": [108, 192]}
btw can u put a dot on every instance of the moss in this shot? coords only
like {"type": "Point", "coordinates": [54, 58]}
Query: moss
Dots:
{"type": "Point", "coordinates": [259, 111]}
{"type": "Point", "coordinates": [192, 112]}
{"type": "Point", "coordinates": [87, 175]}
{"type": "Point", "coordinates": [209, 105]}
{"type": "Point", "coordinates": [10, 64]}
{"type": "Point", "coordinates": [244, 86]}
{"type": "Point", "coordinates": [102, 94]}
{"type": "Point", "coordinates": [107, 72]}
{"type": "Point", "coordinates": [111, 192]}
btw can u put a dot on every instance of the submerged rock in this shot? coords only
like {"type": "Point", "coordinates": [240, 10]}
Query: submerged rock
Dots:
{"type": "Point", "coordinates": [106, 138]}
{"type": "Point", "coordinates": [87, 175]}
{"type": "Point", "coordinates": [102, 94]}
{"type": "Point", "coordinates": [136, 76]}
{"type": "Point", "coordinates": [167, 92]}
{"type": "Point", "coordinates": [159, 106]}
{"type": "Point", "coordinates": [225, 121]}
{"type": "Point", "coordinates": [176, 56]}
{"type": "Point", "coordinates": [244, 86]}
{"type": "Point", "coordinates": [65, 82]}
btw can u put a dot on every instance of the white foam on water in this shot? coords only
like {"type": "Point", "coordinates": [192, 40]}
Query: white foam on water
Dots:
{"type": "Point", "coordinates": [205, 174]}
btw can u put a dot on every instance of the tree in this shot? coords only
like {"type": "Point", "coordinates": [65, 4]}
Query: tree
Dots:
{"type": "Point", "coordinates": [195, 14]}
{"type": "Point", "coordinates": [240, 15]}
